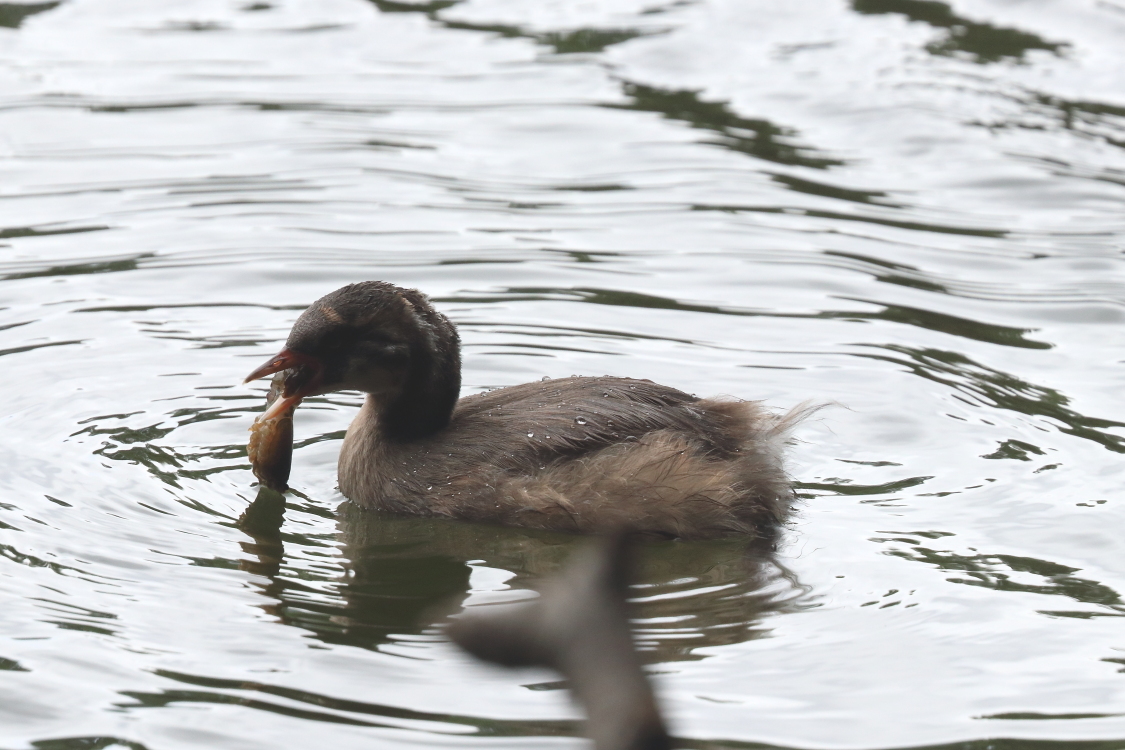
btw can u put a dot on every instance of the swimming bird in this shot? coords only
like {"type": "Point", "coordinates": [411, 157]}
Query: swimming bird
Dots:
{"type": "Point", "coordinates": [577, 454]}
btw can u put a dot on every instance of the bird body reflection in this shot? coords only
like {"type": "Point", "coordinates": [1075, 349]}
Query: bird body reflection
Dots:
{"type": "Point", "coordinates": [399, 576]}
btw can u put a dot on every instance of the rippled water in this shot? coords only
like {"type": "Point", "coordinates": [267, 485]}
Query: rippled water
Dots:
{"type": "Point", "coordinates": [911, 208]}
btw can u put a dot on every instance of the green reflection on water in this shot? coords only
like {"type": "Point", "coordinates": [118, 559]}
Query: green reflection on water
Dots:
{"type": "Point", "coordinates": [980, 42]}
{"type": "Point", "coordinates": [86, 743]}
{"type": "Point", "coordinates": [997, 743]}
{"type": "Point", "coordinates": [506, 728]}
{"type": "Point", "coordinates": [582, 40]}
{"type": "Point", "coordinates": [430, 8]}
{"type": "Point", "coordinates": [568, 41]}
{"type": "Point", "coordinates": [22, 558]}
{"type": "Point", "coordinates": [333, 710]}
{"type": "Point", "coordinates": [1090, 119]}
{"type": "Point", "coordinates": [11, 665]}
{"type": "Point", "coordinates": [979, 385]}
{"type": "Point", "coordinates": [588, 39]}
{"type": "Point", "coordinates": [12, 15]}
{"type": "Point", "coordinates": [13, 232]}
{"type": "Point", "coordinates": [1035, 716]}
{"type": "Point", "coordinates": [845, 487]}
{"type": "Point", "coordinates": [1015, 449]}
{"type": "Point", "coordinates": [920, 226]}
{"type": "Point", "coordinates": [921, 318]}
{"type": "Point", "coordinates": [811, 187]}
{"type": "Point", "coordinates": [751, 136]}
{"type": "Point", "coordinates": [77, 269]}
{"type": "Point", "coordinates": [999, 572]}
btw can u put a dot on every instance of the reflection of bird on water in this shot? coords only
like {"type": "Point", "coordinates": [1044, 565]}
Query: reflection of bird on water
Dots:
{"type": "Point", "coordinates": [397, 572]}
{"type": "Point", "coordinates": [579, 626]}
{"type": "Point", "coordinates": [572, 454]}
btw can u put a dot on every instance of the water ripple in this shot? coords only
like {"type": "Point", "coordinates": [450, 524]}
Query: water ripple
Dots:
{"type": "Point", "coordinates": [907, 207]}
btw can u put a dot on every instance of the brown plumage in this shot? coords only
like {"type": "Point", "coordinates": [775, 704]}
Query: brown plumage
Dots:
{"type": "Point", "coordinates": [571, 454]}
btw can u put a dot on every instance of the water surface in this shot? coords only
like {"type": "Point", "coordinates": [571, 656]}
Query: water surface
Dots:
{"type": "Point", "coordinates": [910, 208]}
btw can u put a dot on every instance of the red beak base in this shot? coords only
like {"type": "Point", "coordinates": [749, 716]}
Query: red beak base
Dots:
{"type": "Point", "coordinates": [287, 359]}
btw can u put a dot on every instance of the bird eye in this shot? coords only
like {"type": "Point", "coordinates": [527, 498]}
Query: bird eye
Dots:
{"type": "Point", "coordinates": [381, 352]}
{"type": "Point", "coordinates": [392, 353]}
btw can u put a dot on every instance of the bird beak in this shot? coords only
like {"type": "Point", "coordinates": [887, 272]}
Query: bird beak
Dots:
{"type": "Point", "coordinates": [303, 381]}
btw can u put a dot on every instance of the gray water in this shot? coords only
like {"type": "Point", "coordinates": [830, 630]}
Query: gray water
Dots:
{"type": "Point", "coordinates": [908, 208]}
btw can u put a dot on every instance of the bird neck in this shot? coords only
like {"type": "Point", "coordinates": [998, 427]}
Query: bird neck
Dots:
{"type": "Point", "coordinates": [425, 404]}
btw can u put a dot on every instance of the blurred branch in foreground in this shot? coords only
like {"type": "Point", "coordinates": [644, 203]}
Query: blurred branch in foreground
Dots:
{"type": "Point", "coordinates": [580, 626]}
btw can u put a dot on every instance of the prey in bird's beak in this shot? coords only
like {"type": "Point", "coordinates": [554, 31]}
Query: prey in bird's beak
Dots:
{"type": "Point", "coordinates": [304, 377]}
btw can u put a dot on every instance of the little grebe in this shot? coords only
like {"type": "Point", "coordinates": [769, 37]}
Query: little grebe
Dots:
{"type": "Point", "coordinates": [571, 454]}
